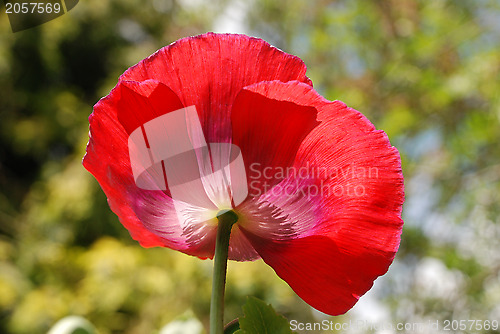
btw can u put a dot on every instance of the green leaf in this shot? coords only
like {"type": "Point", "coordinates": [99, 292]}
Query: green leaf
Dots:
{"type": "Point", "coordinates": [260, 318]}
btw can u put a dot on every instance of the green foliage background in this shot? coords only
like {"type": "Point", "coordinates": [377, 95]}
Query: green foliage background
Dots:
{"type": "Point", "coordinates": [426, 72]}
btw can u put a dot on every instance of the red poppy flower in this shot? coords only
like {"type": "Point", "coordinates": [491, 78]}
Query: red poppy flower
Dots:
{"type": "Point", "coordinates": [320, 194]}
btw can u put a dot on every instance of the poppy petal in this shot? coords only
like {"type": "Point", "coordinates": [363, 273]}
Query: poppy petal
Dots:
{"type": "Point", "coordinates": [348, 176]}
{"type": "Point", "coordinates": [269, 131]}
{"type": "Point", "coordinates": [360, 178]}
{"type": "Point", "coordinates": [149, 215]}
{"type": "Point", "coordinates": [107, 158]}
{"type": "Point", "coordinates": [346, 168]}
{"type": "Point", "coordinates": [209, 70]}
{"type": "Point", "coordinates": [323, 276]}
{"type": "Point", "coordinates": [144, 101]}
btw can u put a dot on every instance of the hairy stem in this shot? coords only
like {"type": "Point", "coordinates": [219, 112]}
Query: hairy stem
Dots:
{"type": "Point", "coordinates": [226, 221]}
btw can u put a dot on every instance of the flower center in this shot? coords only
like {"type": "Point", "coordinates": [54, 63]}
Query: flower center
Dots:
{"type": "Point", "coordinates": [228, 215]}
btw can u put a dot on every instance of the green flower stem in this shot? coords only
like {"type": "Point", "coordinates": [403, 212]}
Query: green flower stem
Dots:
{"type": "Point", "coordinates": [226, 221]}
